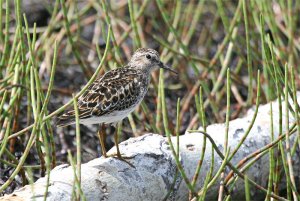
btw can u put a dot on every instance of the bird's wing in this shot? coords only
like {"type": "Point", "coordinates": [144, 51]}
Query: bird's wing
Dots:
{"type": "Point", "coordinates": [115, 90]}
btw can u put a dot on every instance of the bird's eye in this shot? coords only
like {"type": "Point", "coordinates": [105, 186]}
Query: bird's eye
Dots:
{"type": "Point", "coordinates": [148, 56]}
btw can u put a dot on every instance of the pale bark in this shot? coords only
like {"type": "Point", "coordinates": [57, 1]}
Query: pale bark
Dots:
{"type": "Point", "coordinates": [155, 168]}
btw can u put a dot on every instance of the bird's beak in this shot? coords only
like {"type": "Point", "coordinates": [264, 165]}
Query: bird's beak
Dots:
{"type": "Point", "coordinates": [162, 65]}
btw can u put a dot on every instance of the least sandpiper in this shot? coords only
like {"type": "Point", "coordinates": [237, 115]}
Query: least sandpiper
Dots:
{"type": "Point", "coordinates": [113, 96]}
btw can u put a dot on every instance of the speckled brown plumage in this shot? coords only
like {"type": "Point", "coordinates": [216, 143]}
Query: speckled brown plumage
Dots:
{"type": "Point", "coordinates": [111, 97]}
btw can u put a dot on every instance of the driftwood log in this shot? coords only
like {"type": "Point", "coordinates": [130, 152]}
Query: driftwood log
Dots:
{"type": "Point", "coordinates": [155, 168]}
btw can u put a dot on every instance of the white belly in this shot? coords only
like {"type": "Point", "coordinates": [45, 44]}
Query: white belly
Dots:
{"type": "Point", "coordinates": [113, 117]}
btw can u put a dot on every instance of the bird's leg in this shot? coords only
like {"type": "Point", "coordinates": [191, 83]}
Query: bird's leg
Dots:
{"type": "Point", "coordinates": [116, 139]}
{"type": "Point", "coordinates": [117, 143]}
{"type": "Point", "coordinates": [118, 155]}
{"type": "Point", "coordinates": [101, 136]}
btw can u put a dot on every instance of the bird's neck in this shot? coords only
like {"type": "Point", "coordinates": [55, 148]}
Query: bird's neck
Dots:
{"type": "Point", "coordinates": [146, 70]}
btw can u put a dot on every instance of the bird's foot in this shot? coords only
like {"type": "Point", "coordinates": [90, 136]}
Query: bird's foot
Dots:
{"type": "Point", "coordinates": [121, 158]}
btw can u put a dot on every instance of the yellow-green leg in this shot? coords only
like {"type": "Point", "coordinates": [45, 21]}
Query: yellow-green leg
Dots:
{"type": "Point", "coordinates": [118, 155]}
{"type": "Point", "coordinates": [116, 138]}
{"type": "Point", "coordinates": [101, 136]}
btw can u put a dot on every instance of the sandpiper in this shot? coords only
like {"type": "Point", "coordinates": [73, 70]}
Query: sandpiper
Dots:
{"type": "Point", "coordinates": [113, 96]}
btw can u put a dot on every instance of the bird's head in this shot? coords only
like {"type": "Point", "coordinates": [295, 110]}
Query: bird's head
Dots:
{"type": "Point", "coordinates": [147, 60]}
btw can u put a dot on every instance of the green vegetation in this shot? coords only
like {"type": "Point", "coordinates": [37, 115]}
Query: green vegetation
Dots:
{"type": "Point", "coordinates": [230, 55]}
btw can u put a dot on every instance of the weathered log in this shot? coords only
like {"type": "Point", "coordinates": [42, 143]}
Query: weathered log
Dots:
{"type": "Point", "coordinates": [155, 168]}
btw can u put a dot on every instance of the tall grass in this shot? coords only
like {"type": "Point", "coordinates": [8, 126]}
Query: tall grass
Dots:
{"type": "Point", "coordinates": [219, 49]}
